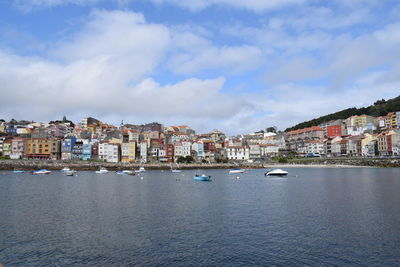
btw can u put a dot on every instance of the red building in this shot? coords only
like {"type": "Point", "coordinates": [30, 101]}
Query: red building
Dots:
{"type": "Point", "coordinates": [333, 131]}
{"type": "Point", "coordinates": [209, 146]}
{"type": "Point", "coordinates": [170, 153]}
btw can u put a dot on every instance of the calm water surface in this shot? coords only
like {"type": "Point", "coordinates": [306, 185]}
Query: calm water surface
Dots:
{"type": "Point", "coordinates": [338, 216]}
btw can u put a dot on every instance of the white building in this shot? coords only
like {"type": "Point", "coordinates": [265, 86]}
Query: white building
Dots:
{"type": "Point", "coordinates": [315, 147]}
{"type": "Point", "coordinates": [182, 149]}
{"type": "Point", "coordinates": [109, 152]}
{"type": "Point", "coordinates": [336, 146]}
{"type": "Point", "coordinates": [255, 151]}
{"type": "Point", "coordinates": [238, 153]}
{"type": "Point", "coordinates": [269, 150]}
{"type": "Point", "coordinates": [143, 152]}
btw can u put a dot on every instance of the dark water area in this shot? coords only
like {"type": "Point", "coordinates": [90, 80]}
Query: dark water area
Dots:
{"type": "Point", "coordinates": [315, 216]}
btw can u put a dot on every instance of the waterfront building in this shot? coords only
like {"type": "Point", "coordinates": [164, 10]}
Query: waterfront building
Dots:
{"type": "Point", "coordinates": [182, 149]}
{"type": "Point", "coordinates": [86, 151]}
{"type": "Point", "coordinates": [297, 139]}
{"type": "Point", "coordinates": [77, 151]}
{"type": "Point", "coordinates": [269, 150]}
{"type": "Point", "coordinates": [368, 145]}
{"type": "Point", "coordinates": [43, 148]}
{"type": "Point", "coordinates": [143, 151]}
{"type": "Point", "coordinates": [353, 146]}
{"type": "Point", "coordinates": [128, 151]}
{"type": "Point", "coordinates": [7, 147]}
{"type": "Point", "coordinates": [343, 146]}
{"type": "Point", "coordinates": [109, 152]}
{"type": "Point", "coordinates": [255, 152]}
{"type": "Point", "coordinates": [66, 147]}
{"type": "Point", "coordinates": [198, 148]}
{"type": "Point", "coordinates": [238, 153]}
{"type": "Point", "coordinates": [315, 147]}
{"type": "Point", "coordinates": [385, 144]}
{"type": "Point", "coordinates": [17, 148]}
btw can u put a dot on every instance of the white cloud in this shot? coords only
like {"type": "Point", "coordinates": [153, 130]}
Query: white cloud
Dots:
{"type": "Point", "coordinates": [231, 59]}
{"type": "Point", "coordinates": [193, 5]}
{"type": "Point", "coordinates": [30, 5]}
{"type": "Point", "coordinates": [252, 5]}
{"type": "Point", "coordinates": [106, 69]}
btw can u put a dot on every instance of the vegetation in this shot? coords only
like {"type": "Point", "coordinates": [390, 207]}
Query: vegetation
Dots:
{"type": "Point", "coordinates": [379, 108]}
{"type": "Point", "coordinates": [187, 159]}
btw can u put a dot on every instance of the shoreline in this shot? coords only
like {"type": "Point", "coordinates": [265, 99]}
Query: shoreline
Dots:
{"type": "Point", "coordinates": [91, 165]}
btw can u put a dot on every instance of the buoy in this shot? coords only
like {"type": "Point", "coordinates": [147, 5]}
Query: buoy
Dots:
{"type": "Point", "coordinates": [237, 177]}
{"type": "Point", "coordinates": [141, 178]}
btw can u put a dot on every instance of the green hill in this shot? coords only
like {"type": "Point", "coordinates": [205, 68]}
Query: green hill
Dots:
{"type": "Point", "coordinates": [379, 108]}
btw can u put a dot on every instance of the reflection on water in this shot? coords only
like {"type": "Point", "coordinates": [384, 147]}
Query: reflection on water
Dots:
{"type": "Point", "coordinates": [324, 216]}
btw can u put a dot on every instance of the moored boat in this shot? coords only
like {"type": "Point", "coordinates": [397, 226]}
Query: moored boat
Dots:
{"type": "Point", "coordinates": [176, 169]}
{"type": "Point", "coordinates": [66, 169]}
{"type": "Point", "coordinates": [236, 170]}
{"type": "Point", "coordinates": [141, 169]}
{"type": "Point", "coordinates": [276, 172]}
{"type": "Point", "coordinates": [202, 177]}
{"type": "Point", "coordinates": [42, 171]}
{"type": "Point", "coordinates": [70, 173]}
{"type": "Point", "coordinates": [102, 170]}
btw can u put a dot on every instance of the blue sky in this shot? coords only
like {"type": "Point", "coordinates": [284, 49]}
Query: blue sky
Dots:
{"type": "Point", "coordinates": [237, 66]}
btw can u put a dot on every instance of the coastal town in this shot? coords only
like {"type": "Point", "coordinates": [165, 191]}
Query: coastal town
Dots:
{"type": "Point", "coordinates": [93, 140]}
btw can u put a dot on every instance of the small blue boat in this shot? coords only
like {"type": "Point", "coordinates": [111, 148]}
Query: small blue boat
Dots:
{"type": "Point", "coordinates": [18, 171]}
{"type": "Point", "coordinates": [202, 177]}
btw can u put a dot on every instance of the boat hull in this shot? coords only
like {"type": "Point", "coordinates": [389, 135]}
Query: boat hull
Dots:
{"type": "Point", "coordinates": [276, 174]}
{"type": "Point", "coordinates": [236, 171]}
{"type": "Point", "coordinates": [204, 178]}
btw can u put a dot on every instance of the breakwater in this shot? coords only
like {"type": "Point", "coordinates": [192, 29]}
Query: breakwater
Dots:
{"type": "Point", "coordinates": [95, 165]}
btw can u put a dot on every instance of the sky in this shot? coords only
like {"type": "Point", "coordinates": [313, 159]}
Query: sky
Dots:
{"type": "Point", "coordinates": [233, 65]}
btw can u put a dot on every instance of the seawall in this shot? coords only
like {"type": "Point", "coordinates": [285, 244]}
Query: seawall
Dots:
{"type": "Point", "coordinates": [95, 165]}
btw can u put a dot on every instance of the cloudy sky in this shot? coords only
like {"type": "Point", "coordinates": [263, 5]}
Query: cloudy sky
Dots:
{"type": "Point", "coordinates": [238, 66]}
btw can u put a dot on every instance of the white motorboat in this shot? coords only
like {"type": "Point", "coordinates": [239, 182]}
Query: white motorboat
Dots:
{"type": "Point", "coordinates": [102, 171]}
{"type": "Point", "coordinates": [70, 173]}
{"type": "Point", "coordinates": [176, 169]}
{"type": "Point", "coordinates": [236, 170]}
{"type": "Point", "coordinates": [141, 169]}
{"type": "Point", "coordinates": [66, 169]}
{"type": "Point", "coordinates": [42, 171]}
{"type": "Point", "coordinates": [277, 172]}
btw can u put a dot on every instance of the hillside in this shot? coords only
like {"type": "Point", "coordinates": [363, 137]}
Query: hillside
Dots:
{"type": "Point", "coordinates": [379, 108]}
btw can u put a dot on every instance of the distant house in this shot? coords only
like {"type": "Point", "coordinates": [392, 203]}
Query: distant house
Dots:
{"type": "Point", "coordinates": [297, 139]}
{"type": "Point", "coordinates": [17, 148]}
{"type": "Point", "coordinates": [238, 153]}
{"type": "Point", "coordinates": [315, 147]}
{"type": "Point", "coordinates": [109, 152]}
{"type": "Point", "coordinates": [128, 151]}
{"type": "Point", "coordinates": [77, 151]}
{"type": "Point", "coordinates": [41, 148]}
{"type": "Point", "coordinates": [66, 147]}
{"type": "Point", "coordinates": [86, 151]}
{"type": "Point", "coordinates": [269, 150]}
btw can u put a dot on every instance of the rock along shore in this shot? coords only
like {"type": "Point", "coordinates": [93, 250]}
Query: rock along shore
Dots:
{"type": "Point", "coordinates": [95, 165]}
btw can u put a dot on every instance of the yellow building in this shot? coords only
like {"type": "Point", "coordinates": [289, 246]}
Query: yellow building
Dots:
{"type": "Point", "coordinates": [43, 148]}
{"type": "Point", "coordinates": [128, 151]}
